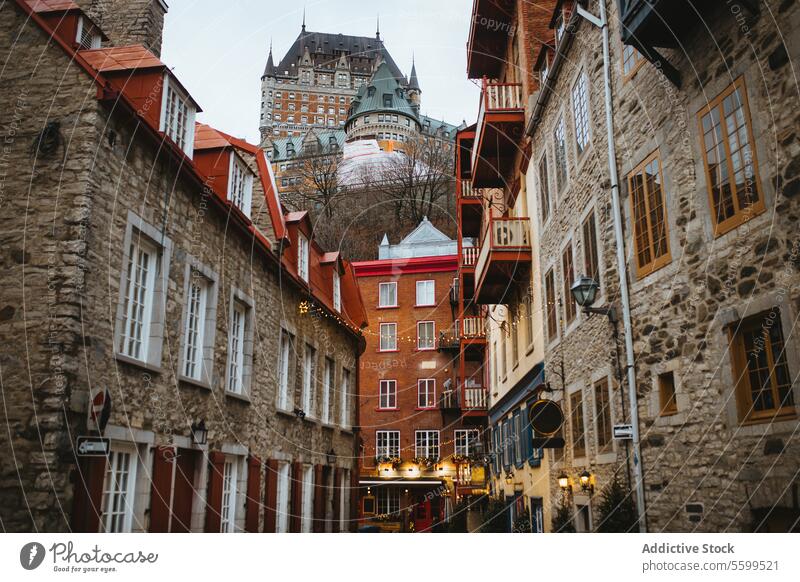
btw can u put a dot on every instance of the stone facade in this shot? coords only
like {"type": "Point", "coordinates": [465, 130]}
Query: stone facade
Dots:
{"type": "Point", "coordinates": [69, 211]}
{"type": "Point", "coordinates": [707, 465]}
{"type": "Point", "coordinates": [129, 21]}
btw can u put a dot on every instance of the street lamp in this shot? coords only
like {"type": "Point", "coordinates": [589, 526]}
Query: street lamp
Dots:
{"type": "Point", "coordinates": [584, 291]}
{"type": "Point", "coordinates": [330, 457]}
{"type": "Point", "coordinates": [199, 433]}
{"type": "Point", "coordinates": [563, 482]}
{"type": "Point", "coordinates": [509, 478]}
{"type": "Point", "coordinates": [586, 482]}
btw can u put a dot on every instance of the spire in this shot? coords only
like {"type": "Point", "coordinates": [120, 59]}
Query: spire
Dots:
{"type": "Point", "coordinates": [269, 70]}
{"type": "Point", "coordinates": [304, 19]}
{"type": "Point", "coordinates": [378, 30]}
{"type": "Point", "coordinates": [413, 82]}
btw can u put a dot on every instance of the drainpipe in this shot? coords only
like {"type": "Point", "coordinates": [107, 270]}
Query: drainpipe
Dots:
{"type": "Point", "coordinates": [602, 23]}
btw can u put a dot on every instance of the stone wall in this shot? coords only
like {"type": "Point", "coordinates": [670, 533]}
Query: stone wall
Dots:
{"type": "Point", "coordinates": [129, 21]}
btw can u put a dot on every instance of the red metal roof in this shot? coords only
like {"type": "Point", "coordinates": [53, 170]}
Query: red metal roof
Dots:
{"type": "Point", "coordinates": [123, 58]}
{"type": "Point", "coordinates": [208, 138]}
{"type": "Point", "coordinates": [52, 5]}
{"type": "Point", "coordinates": [405, 266]}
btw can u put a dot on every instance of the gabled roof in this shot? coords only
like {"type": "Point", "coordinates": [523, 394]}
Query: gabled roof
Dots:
{"type": "Point", "coordinates": [370, 96]}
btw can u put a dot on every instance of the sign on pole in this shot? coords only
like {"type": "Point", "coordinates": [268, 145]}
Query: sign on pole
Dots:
{"type": "Point", "coordinates": [623, 432]}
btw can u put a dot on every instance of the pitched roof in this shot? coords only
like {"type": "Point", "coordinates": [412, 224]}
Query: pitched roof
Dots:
{"type": "Point", "coordinates": [414, 82]}
{"type": "Point", "coordinates": [325, 48]}
{"type": "Point", "coordinates": [280, 146]}
{"type": "Point", "coordinates": [431, 126]}
{"type": "Point", "coordinates": [122, 58]}
{"type": "Point", "coordinates": [52, 5]}
{"type": "Point", "coordinates": [370, 96]}
{"type": "Point", "coordinates": [206, 137]}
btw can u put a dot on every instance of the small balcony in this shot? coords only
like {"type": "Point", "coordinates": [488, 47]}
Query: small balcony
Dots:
{"type": "Point", "coordinates": [491, 31]}
{"type": "Point", "coordinates": [469, 330]}
{"type": "Point", "coordinates": [501, 120]}
{"type": "Point", "coordinates": [470, 208]}
{"type": "Point", "coordinates": [469, 257]}
{"type": "Point", "coordinates": [504, 259]}
{"type": "Point", "coordinates": [471, 399]}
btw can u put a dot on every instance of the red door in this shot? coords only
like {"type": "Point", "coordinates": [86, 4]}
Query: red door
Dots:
{"type": "Point", "coordinates": [184, 491]}
{"type": "Point", "coordinates": [426, 513]}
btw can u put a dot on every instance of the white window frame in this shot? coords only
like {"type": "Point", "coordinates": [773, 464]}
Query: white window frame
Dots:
{"type": "Point", "coordinates": [194, 328]}
{"type": "Point", "coordinates": [387, 392]}
{"type": "Point", "coordinates": [391, 446]}
{"type": "Point", "coordinates": [432, 443]}
{"type": "Point", "coordinates": [307, 512]}
{"type": "Point", "coordinates": [309, 377]}
{"type": "Point", "coordinates": [240, 184]}
{"type": "Point", "coordinates": [283, 496]}
{"type": "Point", "coordinates": [142, 267]}
{"type": "Point", "coordinates": [580, 112]}
{"type": "Point", "coordinates": [302, 256]}
{"type": "Point", "coordinates": [206, 326]}
{"type": "Point", "coordinates": [389, 285]}
{"type": "Point", "coordinates": [181, 133]}
{"type": "Point", "coordinates": [464, 434]}
{"type": "Point", "coordinates": [427, 289]}
{"type": "Point", "coordinates": [230, 486]}
{"type": "Point", "coordinates": [344, 500]}
{"type": "Point", "coordinates": [430, 343]}
{"type": "Point", "coordinates": [382, 335]}
{"type": "Point", "coordinates": [337, 291]}
{"type": "Point", "coordinates": [429, 392]}
{"type": "Point", "coordinates": [238, 368]}
{"type": "Point", "coordinates": [119, 522]}
{"type": "Point", "coordinates": [344, 399]}
{"type": "Point", "coordinates": [328, 383]}
{"type": "Point", "coordinates": [285, 395]}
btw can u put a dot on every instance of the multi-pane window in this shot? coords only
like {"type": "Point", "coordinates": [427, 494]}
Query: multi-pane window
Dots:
{"type": "Point", "coordinates": [426, 335]}
{"type": "Point", "coordinates": [544, 189]}
{"type": "Point", "coordinates": [194, 331]}
{"type": "Point", "coordinates": [387, 443]}
{"type": "Point", "coordinates": [631, 60]}
{"type": "Point", "coordinates": [283, 496]}
{"type": "Point", "coordinates": [427, 444]}
{"type": "Point", "coordinates": [138, 306]}
{"type": "Point", "coordinates": [307, 513]}
{"type": "Point", "coordinates": [648, 205]}
{"type": "Point", "coordinates": [560, 151]}
{"type": "Point", "coordinates": [568, 277]}
{"type": "Point", "coordinates": [118, 491]}
{"type": "Point", "coordinates": [580, 110]}
{"type": "Point", "coordinates": [387, 294]}
{"type": "Point", "coordinates": [236, 337]}
{"type": "Point", "coordinates": [284, 398]}
{"type": "Point", "coordinates": [327, 388]}
{"type": "Point", "coordinates": [602, 414]}
{"type": "Point", "coordinates": [730, 160]}
{"type": "Point", "coordinates": [388, 394]}
{"type": "Point", "coordinates": [591, 260]}
{"type": "Point", "coordinates": [466, 441]}
{"type": "Point", "coordinates": [344, 400]}
{"type": "Point", "coordinates": [426, 393]}
{"type": "Point", "coordinates": [309, 376]}
{"type": "Point", "coordinates": [302, 257]}
{"type": "Point", "coordinates": [228, 513]}
{"type": "Point", "coordinates": [761, 373]}
{"type": "Point", "coordinates": [344, 500]}
{"type": "Point", "coordinates": [178, 118]}
{"type": "Point", "coordinates": [240, 187]}
{"type": "Point", "coordinates": [576, 422]}
{"type": "Point", "coordinates": [388, 337]}
{"type": "Point", "coordinates": [425, 293]}
{"type": "Point", "coordinates": [337, 291]}
{"type": "Point", "coordinates": [387, 500]}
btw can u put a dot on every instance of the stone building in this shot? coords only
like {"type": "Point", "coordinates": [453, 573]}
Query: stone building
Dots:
{"type": "Point", "coordinates": [705, 135]}
{"type": "Point", "coordinates": [421, 421]}
{"type": "Point", "coordinates": [156, 295]}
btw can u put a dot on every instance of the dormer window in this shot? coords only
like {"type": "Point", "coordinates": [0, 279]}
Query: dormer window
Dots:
{"type": "Point", "coordinates": [240, 185]}
{"type": "Point", "coordinates": [337, 291]}
{"type": "Point", "coordinates": [88, 37]}
{"type": "Point", "coordinates": [177, 117]}
{"type": "Point", "coordinates": [387, 99]}
{"type": "Point", "coordinates": [302, 257]}
{"type": "Point", "coordinates": [370, 91]}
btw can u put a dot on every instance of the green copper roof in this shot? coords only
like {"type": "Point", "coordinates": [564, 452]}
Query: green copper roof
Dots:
{"type": "Point", "coordinates": [383, 85]}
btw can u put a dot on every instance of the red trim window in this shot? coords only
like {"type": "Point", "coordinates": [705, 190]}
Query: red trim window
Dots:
{"type": "Point", "coordinates": [387, 294]}
{"type": "Point", "coordinates": [426, 393]}
{"type": "Point", "coordinates": [426, 293]}
{"type": "Point", "coordinates": [388, 337]}
{"type": "Point", "coordinates": [387, 395]}
{"type": "Point", "coordinates": [426, 335]}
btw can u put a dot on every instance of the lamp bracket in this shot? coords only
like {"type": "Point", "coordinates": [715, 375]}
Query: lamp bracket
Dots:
{"type": "Point", "coordinates": [609, 312]}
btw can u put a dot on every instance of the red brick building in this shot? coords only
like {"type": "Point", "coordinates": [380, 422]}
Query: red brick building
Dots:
{"type": "Point", "coordinates": [421, 425]}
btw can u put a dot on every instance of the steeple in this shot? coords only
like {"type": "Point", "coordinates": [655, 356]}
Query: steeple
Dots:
{"type": "Point", "coordinates": [413, 83]}
{"type": "Point", "coordinates": [269, 70]}
{"type": "Point", "coordinates": [378, 29]}
{"type": "Point", "coordinates": [303, 29]}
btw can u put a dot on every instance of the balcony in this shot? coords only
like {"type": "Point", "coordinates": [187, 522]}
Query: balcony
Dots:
{"type": "Point", "coordinates": [505, 258]}
{"type": "Point", "coordinates": [469, 257]}
{"type": "Point", "coordinates": [474, 328]}
{"type": "Point", "coordinates": [491, 31]}
{"type": "Point", "coordinates": [470, 208]}
{"type": "Point", "coordinates": [471, 399]}
{"type": "Point", "coordinates": [470, 330]}
{"type": "Point", "coordinates": [501, 120]}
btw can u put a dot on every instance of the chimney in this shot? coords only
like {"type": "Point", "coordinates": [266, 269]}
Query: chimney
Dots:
{"type": "Point", "coordinates": [129, 21]}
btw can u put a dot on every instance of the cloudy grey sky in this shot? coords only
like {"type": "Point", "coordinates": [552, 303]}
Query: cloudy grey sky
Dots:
{"type": "Point", "coordinates": [219, 49]}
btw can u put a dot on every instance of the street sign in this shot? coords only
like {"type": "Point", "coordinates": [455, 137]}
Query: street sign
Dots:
{"type": "Point", "coordinates": [623, 432]}
{"type": "Point", "coordinates": [89, 446]}
{"type": "Point", "coordinates": [546, 417]}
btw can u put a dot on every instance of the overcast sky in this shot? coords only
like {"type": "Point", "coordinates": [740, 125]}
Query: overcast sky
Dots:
{"type": "Point", "coordinates": [219, 49]}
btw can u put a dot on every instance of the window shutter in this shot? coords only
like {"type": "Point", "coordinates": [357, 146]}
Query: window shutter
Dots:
{"type": "Point", "coordinates": [216, 468]}
{"type": "Point", "coordinates": [253, 501]}
{"type": "Point", "coordinates": [295, 519]}
{"type": "Point", "coordinates": [88, 499]}
{"type": "Point", "coordinates": [183, 492]}
{"type": "Point", "coordinates": [337, 498]}
{"type": "Point", "coordinates": [161, 490]}
{"type": "Point", "coordinates": [271, 497]}
{"type": "Point", "coordinates": [319, 499]}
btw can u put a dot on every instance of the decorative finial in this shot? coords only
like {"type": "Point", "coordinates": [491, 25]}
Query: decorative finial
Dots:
{"type": "Point", "coordinates": [304, 18]}
{"type": "Point", "coordinates": [378, 30]}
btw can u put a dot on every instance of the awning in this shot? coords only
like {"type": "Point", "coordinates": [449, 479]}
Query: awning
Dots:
{"type": "Point", "coordinates": [403, 482]}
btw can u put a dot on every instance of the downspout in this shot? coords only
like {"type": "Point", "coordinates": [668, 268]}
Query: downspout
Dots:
{"type": "Point", "coordinates": [622, 270]}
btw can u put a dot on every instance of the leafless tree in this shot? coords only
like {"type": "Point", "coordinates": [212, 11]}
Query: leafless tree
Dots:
{"type": "Point", "coordinates": [315, 182]}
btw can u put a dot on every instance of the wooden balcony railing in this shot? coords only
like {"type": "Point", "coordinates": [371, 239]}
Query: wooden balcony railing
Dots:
{"type": "Point", "coordinates": [508, 234]}
{"type": "Point", "coordinates": [476, 398]}
{"type": "Point", "coordinates": [469, 256]}
{"type": "Point", "coordinates": [496, 97]}
{"type": "Point", "coordinates": [474, 327]}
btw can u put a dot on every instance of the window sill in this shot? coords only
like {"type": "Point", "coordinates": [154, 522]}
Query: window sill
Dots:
{"type": "Point", "coordinates": [235, 396]}
{"type": "Point", "coordinates": [425, 408]}
{"type": "Point", "coordinates": [388, 307]}
{"type": "Point", "coordinates": [424, 305]}
{"type": "Point", "coordinates": [138, 363]}
{"type": "Point", "coordinates": [388, 351]}
{"type": "Point", "coordinates": [287, 413]}
{"type": "Point", "coordinates": [379, 409]}
{"type": "Point", "coordinates": [193, 383]}
{"type": "Point", "coordinates": [768, 424]}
